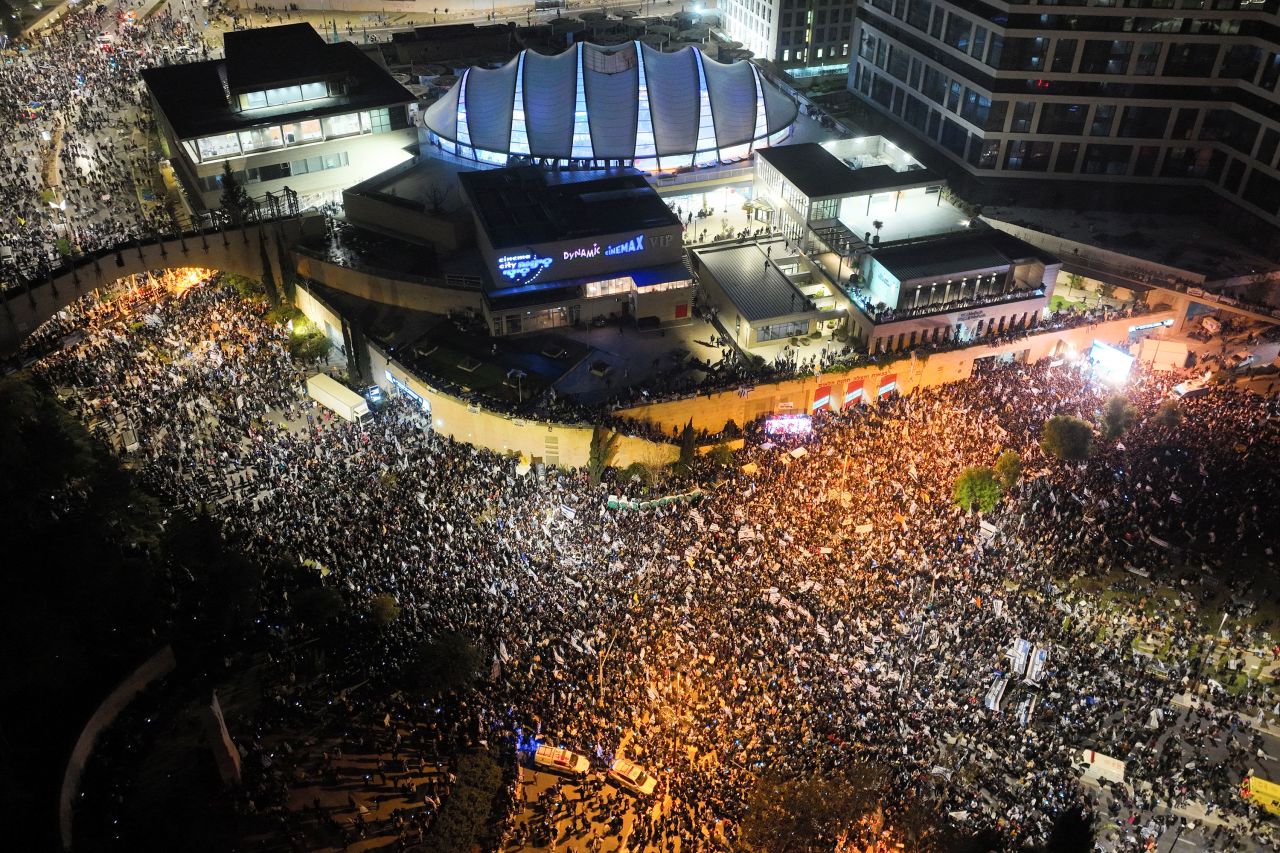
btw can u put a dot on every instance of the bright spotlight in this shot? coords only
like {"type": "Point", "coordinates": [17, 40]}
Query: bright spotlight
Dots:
{"type": "Point", "coordinates": [1109, 364]}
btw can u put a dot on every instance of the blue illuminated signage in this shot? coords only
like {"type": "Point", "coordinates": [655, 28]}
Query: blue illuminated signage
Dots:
{"type": "Point", "coordinates": [635, 244]}
{"type": "Point", "coordinates": [523, 268]}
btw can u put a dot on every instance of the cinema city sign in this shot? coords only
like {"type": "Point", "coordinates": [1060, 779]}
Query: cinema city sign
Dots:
{"type": "Point", "coordinates": [526, 267]}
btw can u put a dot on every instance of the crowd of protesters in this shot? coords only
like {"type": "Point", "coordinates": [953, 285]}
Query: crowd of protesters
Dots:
{"type": "Point", "coordinates": [82, 172]}
{"type": "Point", "coordinates": [829, 611]}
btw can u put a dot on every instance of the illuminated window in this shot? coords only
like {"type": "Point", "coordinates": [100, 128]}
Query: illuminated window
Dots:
{"type": "Point", "coordinates": [285, 95]}
{"type": "Point", "coordinates": [519, 140]}
{"type": "Point", "coordinates": [645, 147]}
{"type": "Point", "coordinates": [622, 284]}
{"type": "Point", "coordinates": [261, 138]}
{"type": "Point", "coordinates": [306, 131]}
{"type": "Point", "coordinates": [343, 125]}
{"type": "Point", "coordinates": [706, 148]}
{"type": "Point", "coordinates": [581, 124]}
{"type": "Point", "coordinates": [214, 147]}
{"type": "Point", "coordinates": [464, 131]}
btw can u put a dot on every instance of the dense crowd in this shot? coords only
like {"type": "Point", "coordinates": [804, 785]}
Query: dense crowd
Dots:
{"type": "Point", "coordinates": [82, 173]}
{"type": "Point", "coordinates": [830, 611]}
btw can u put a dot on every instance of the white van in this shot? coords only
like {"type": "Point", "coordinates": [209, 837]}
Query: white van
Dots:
{"type": "Point", "coordinates": [633, 777]}
{"type": "Point", "coordinates": [560, 760]}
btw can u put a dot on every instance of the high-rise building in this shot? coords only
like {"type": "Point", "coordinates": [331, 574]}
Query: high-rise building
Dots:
{"type": "Point", "coordinates": [815, 34]}
{"type": "Point", "coordinates": [1154, 92]}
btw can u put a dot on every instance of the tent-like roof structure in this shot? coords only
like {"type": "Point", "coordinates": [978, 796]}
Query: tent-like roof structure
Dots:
{"type": "Point", "coordinates": [629, 103]}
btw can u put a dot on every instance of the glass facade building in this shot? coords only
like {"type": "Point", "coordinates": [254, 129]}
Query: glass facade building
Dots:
{"type": "Point", "coordinates": [1180, 92]}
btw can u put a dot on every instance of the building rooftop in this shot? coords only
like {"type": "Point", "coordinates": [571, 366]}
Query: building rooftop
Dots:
{"type": "Point", "coordinates": [267, 57]}
{"type": "Point", "coordinates": [527, 205]}
{"type": "Point", "coordinates": [193, 96]}
{"type": "Point", "coordinates": [957, 254]}
{"type": "Point", "coordinates": [1175, 240]}
{"type": "Point", "coordinates": [754, 284]}
{"type": "Point", "coordinates": [817, 172]}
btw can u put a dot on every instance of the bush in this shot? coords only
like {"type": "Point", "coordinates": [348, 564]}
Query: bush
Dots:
{"type": "Point", "coordinates": [721, 456]}
{"type": "Point", "coordinates": [316, 606]}
{"type": "Point", "coordinates": [638, 471]}
{"type": "Point", "coordinates": [282, 314]}
{"type": "Point", "coordinates": [1067, 438]}
{"type": "Point", "coordinates": [248, 288]}
{"type": "Point", "coordinates": [309, 345]}
{"type": "Point", "coordinates": [977, 487]}
{"type": "Point", "coordinates": [383, 610]}
{"type": "Point", "coordinates": [1008, 469]}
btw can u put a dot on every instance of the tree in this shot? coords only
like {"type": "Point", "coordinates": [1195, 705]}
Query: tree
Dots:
{"type": "Point", "coordinates": [604, 448]}
{"type": "Point", "coordinates": [1106, 290]}
{"type": "Point", "coordinates": [1072, 832]}
{"type": "Point", "coordinates": [1117, 415]}
{"type": "Point", "coordinates": [1008, 469]}
{"type": "Point", "coordinates": [436, 198]}
{"type": "Point", "coordinates": [316, 606]}
{"type": "Point", "coordinates": [1067, 438]}
{"type": "Point", "coordinates": [1075, 281]}
{"type": "Point", "coordinates": [462, 820]}
{"type": "Point", "coordinates": [268, 275]}
{"type": "Point", "coordinates": [383, 609]}
{"type": "Point", "coordinates": [977, 487]}
{"type": "Point", "coordinates": [1169, 414]}
{"type": "Point", "coordinates": [447, 662]}
{"type": "Point", "coordinates": [235, 200]}
{"type": "Point", "coordinates": [42, 451]}
{"type": "Point", "coordinates": [688, 445]}
{"type": "Point", "coordinates": [792, 814]}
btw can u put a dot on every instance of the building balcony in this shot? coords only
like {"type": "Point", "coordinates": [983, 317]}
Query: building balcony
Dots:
{"type": "Point", "coordinates": [862, 301]}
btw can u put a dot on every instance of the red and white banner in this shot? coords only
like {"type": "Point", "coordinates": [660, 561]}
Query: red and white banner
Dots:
{"type": "Point", "coordinates": [822, 398]}
{"type": "Point", "coordinates": [888, 383]}
{"type": "Point", "coordinates": [853, 392]}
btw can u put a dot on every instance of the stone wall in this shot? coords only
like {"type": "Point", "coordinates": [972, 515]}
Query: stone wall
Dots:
{"type": "Point", "coordinates": [552, 443]}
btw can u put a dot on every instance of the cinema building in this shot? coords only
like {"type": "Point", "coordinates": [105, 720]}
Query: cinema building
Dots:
{"type": "Point", "coordinates": [560, 249]}
{"type": "Point", "coordinates": [594, 107]}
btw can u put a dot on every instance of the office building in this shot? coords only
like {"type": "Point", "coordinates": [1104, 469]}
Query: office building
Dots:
{"type": "Point", "coordinates": [1147, 92]}
{"type": "Point", "coordinates": [801, 36]}
{"type": "Point", "coordinates": [285, 109]}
